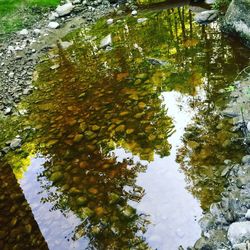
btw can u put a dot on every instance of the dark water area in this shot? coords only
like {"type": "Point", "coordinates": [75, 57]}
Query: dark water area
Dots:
{"type": "Point", "coordinates": [123, 146]}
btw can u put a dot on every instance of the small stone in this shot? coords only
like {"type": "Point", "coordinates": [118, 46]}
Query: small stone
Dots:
{"type": "Point", "coordinates": [56, 176]}
{"type": "Point", "coordinates": [241, 246]}
{"type": "Point", "coordinates": [106, 41]}
{"type": "Point", "coordinates": [63, 10]}
{"type": "Point", "coordinates": [134, 13]}
{"type": "Point", "coordinates": [53, 16]}
{"type": "Point", "coordinates": [248, 126]}
{"type": "Point", "coordinates": [16, 143]}
{"type": "Point", "coordinates": [81, 201]}
{"type": "Point", "coordinates": [78, 137]}
{"type": "Point", "coordinates": [141, 20]}
{"type": "Point", "coordinates": [66, 44]}
{"type": "Point", "coordinates": [246, 159]}
{"type": "Point", "coordinates": [110, 21]}
{"type": "Point", "coordinates": [56, 66]}
{"type": "Point", "coordinates": [24, 32]}
{"type": "Point", "coordinates": [37, 31]}
{"type": "Point", "coordinates": [248, 214]}
{"type": "Point", "coordinates": [53, 25]}
{"type": "Point", "coordinates": [239, 232]}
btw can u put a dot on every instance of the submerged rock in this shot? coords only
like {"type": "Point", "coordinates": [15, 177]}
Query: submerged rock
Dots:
{"type": "Point", "coordinates": [206, 17]}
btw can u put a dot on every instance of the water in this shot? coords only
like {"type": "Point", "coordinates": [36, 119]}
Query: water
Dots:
{"type": "Point", "coordinates": [123, 147]}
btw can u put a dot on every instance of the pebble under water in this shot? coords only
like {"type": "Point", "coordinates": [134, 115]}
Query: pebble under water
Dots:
{"type": "Point", "coordinates": [123, 142]}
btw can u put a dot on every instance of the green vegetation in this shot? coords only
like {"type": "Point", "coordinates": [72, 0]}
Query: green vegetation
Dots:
{"type": "Point", "coordinates": [222, 4]}
{"type": "Point", "coordinates": [15, 15]}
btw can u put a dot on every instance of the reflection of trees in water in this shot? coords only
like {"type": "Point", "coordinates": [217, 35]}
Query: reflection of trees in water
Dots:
{"type": "Point", "coordinates": [81, 114]}
{"type": "Point", "coordinates": [98, 100]}
{"type": "Point", "coordinates": [18, 228]}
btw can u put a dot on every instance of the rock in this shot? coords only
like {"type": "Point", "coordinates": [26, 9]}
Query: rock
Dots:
{"type": "Point", "coordinates": [66, 44]}
{"type": "Point", "coordinates": [15, 143]}
{"type": "Point", "coordinates": [53, 25]}
{"type": "Point", "coordinates": [241, 246]}
{"type": "Point", "coordinates": [206, 17]}
{"type": "Point", "coordinates": [209, 1]}
{"type": "Point", "coordinates": [239, 232]}
{"type": "Point", "coordinates": [63, 10]}
{"type": "Point", "coordinates": [237, 19]}
{"type": "Point", "coordinates": [53, 16]}
{"type": "Point", "coordinates": [106, 41]}
{"type": "Point", "coordinates": [7, 110]}
{"type": "Point", "coordinates": [248, 214]}
{"type": "Point", "coordinates": [248, 126]}
{"type": "Point", "coordinates": [37, 31]}
{"type": "Point", "coordinates": [24, 32]}
{"type": "Point", "coordinates": [56, 176]}
{"type": "Point", "coordinates": [141, 20]}
{"type": "Point", "coordinates": [78, 137]}
{"type": "Point", "coordinates": [246, 159]}
{"type": "Point", "coordinates": [110, 21]}
{"type": "Point", "coordinates": [134, 13]}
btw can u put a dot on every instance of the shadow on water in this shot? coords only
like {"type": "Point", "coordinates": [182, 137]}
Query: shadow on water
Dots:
{"type": "Point", "coordinates": [103, 120]}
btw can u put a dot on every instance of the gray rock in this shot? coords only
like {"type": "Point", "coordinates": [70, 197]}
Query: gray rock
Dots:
{"type": "Point", "coordinates": [206, 17]}
{"type": "Point", "coordinates": [24, 32]}
{"type": "Point", "coordinates": [209, 1]}
{"type": "Point", "coordinates": [53, 25]}
{"type": "Point", "coordinates": [63, 10]}
{"type": "Point", "coordinates": [15, 143]}
{"type": "Point", "coordinates": [237, 19]}
{"type": "Point", "coordinates": [7, 110]}
{"type": "Point", "coordinates": [246, 159]}
{"type": "Point", "coordinates": [106, 41]}
{"type": "Point", "coordinates": [238, 232]}
{"type": "Point", "coordinates": [53, 16]}
{"type": "Point", "coordinates": [248, 214]}
{"type": "Point", "coordinates": [241, 246]}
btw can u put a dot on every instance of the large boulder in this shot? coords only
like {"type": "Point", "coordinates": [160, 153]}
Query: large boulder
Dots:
{"type": "Point", "coordinates": [237, 19]}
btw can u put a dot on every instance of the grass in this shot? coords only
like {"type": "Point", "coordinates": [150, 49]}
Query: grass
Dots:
{"type": "Point", "coordinates": [17, 14]}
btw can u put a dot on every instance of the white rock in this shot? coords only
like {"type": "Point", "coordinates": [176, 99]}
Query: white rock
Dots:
{"type": "Point", "coordinates": [66, 44]}
{"type": "Point", "coordinates": [134, 13]}
{"type": "Point", "coordinates": [210, 1]}
{"type": "Point", "coordinates": [239, 232]}
{"type": "Point", "coordinates": [248, 214]}
{"type": "Point", "coordinates": [15, 143]}
{"type": "Point", "coordinates": [141, 20]}
{"type": "Point", "coordinates": [206, 16]}
{"type": "Point", "coordinates": [76, 1]}
{"type": "Point", "coordinates": [11, 74]}
{"type": "Point", "coordinates": [248, 126]}
{"type": "Point", "coordinates": [241, 246]}
{"type": "Point", "coordinates": [24, 32]}
{"type": "Point", "coordinates": [37, 31]}
{"type": "Point", "coordinates": [63, 10]}
{"type": "Point", "coordinates": [106, 41]}
{"type": "Point", "coordinates": [53, 25]}
{"type": "Point", "coordinates": [53, 16]}
{"type": "Point", "coordinates": [110, 21]}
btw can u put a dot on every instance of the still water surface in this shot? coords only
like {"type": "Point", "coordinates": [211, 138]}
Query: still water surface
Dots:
{"type": "Point", "coordinates": [123, 146]}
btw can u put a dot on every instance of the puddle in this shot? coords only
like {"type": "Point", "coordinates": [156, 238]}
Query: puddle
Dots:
{"type": "Point", "coordinates": [123, 146]}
